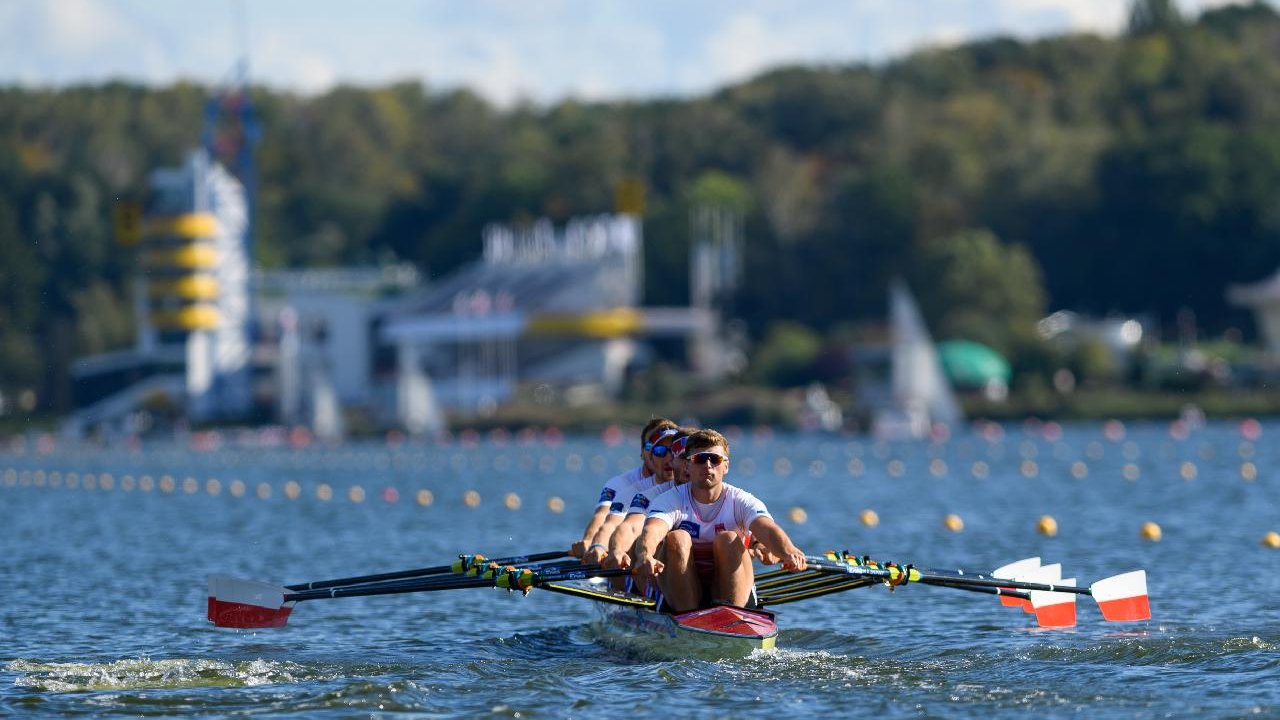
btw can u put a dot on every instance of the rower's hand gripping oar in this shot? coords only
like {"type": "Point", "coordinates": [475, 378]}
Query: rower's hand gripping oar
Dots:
{"type": "Point", "coordinates": [251, 604]}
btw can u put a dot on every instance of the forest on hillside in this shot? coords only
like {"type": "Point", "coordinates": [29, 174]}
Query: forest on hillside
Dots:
{"type": "Point", "coordinates": [1002, 178]}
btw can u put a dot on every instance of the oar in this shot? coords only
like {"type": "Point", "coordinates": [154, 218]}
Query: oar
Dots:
{"type": "Point", "coordinates": [777, 582]}
{"type": "Point", "coordinates": [1120, 597]}
{"type": "Point", "coordinates": [1018, 595]}
{"type": "Point", "coordinates": [476, 570]}
{"type": "Point", "coordinates": [251, 604]}
{"type": "Point", "coordinates": [833, 585]}
{"type": "Point", "coordinates": [1051, 609]}
{"type": "Point", "coordinates": [462, 564]}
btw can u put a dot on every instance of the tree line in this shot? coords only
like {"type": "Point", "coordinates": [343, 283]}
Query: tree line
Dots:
{"type": "Point", "coordinates": [1001, 178]}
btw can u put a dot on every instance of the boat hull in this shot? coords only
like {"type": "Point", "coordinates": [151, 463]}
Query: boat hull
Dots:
{"type": "Point", "coordinates": [718, 632]}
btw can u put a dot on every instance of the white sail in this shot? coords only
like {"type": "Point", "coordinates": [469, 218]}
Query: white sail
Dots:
{"type": "Point", "coordinates": [922, 396]}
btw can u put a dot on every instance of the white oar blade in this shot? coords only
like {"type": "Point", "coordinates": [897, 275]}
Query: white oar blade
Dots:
{"type": "Point", "coordinates": [239, 603]}
{"type": "Point", "coordinates": [1012, 571]}
{"type": "Point", "coordinates": [1044, 574]}
{"type": "Point", "coordinates": [1055, 609]}
{"type": "Point", "coordinates": [1123, 598]}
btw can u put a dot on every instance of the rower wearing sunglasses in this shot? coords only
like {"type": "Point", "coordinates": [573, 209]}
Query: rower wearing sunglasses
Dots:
{"type": "Point", "coordinates": [622, 540]}
{"type": "Point", "coordinates": [618, 491]}
{"type": "Point", "coordinates": [697, 536]}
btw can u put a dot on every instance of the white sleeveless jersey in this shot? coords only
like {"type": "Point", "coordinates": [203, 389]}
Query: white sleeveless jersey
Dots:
{"type": "Point", "coordinates": [735, 510]}
{"type": "Point", "coordinates": [641, 500]}
{"type": "Point", "coordinates": [619, 490]}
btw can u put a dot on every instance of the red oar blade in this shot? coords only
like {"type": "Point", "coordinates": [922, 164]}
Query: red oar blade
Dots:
{"type": "Point", "coordinates": [238, 603]}
{"type": "Point", "coordinates": [1043, 574]}
{"type": "Point", "coordinates": [1055, 609]}
{"type": "Point", "coordinates": [1012, 571]}
{"type": "Point", "coordinates": [1123, 598]}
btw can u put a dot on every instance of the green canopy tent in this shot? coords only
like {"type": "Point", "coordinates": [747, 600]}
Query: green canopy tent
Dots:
{"type": "Point", "coordinates": [971, 365]}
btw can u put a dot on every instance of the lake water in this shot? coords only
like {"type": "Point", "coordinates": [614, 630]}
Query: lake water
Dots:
{"type": "Point", "coordinates": [104, 554]}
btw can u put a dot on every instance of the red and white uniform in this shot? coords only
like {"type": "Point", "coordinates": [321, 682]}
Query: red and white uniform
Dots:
{"type": "Point", "coordinates": [619, 490]}
{"type": "Point", "coordinates": [735, 510]}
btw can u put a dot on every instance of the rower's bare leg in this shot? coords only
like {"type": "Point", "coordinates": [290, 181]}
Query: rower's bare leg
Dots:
{"type": "Point", "coordinates": [734, 575]}
{"type": "Point", "coordinates": [679, 578]}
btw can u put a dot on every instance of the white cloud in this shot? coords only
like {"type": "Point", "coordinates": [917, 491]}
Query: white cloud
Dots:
{"type": "Point", "coordinates": [1080, 15]}
{"type": "Point", "coordinates": [83, 26]}
{"type": "Point", "coordinates": [594, 49]}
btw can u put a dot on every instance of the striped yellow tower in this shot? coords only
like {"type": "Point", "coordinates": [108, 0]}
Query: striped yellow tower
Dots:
{"type": "Point", "coordinates": [179, 260]}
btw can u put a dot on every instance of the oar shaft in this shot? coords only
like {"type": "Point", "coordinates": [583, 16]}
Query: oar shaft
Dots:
{"type": "Point", "coordinates": [489, 579]}
{"type": "Point", "coordinates": [913, 574]}
{"type": "Point", "coordinates": [839, 585]}
{"type": "Point", "coordinates": [979, 581]}
{"type": "Point", "coordinates": [475, 571]}
{"type": "Point", "coordinates": [423, 572]}
{"type": "Point", "coordinates": [1003, 591]}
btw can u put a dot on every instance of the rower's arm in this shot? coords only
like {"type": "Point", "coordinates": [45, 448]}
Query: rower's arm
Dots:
{"type": "Point", "coordinates": [625, 536]}
{"type": "Point", "coordinates": [647, 566]}
{"type": "Point", "coordinates": [593, 526]}
{"type": "Point", "coordinates": [598, 546]}
{"type": "Point", "coordinates": [778, 542]}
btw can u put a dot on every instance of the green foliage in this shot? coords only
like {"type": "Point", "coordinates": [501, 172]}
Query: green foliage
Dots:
{"type": "Point", "coordinates": [978, 289]}
{"type": "Point", "coordinates": [1093, 363]}
{"type": "Point", "coordinates": [1148, 16]}
{"type": "Point", "coordinates": [719, 189]}
{"type": "Point", "coordinates": [786, 356]}
{"type": "Point", "coordinates": [1139, 173]}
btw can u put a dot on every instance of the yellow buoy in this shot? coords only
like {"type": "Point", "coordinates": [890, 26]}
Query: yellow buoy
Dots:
{"type": "Point", "coordinates": [555, 504]}
{"type": "Point", "coordinates": [953, 523]}
{"type": "Point", "coordinates": [1047, 526]}
{"type": "Point", "coordinates": [471, 499]}
{"type": "Point", "coordinates": [424, 497]}
{"type": "Point", "coordinates": [870, 518]}
{"type": "Point", "coordinates": [1271, 539]}
{"type": "Point", "coordinates": [798, 515]}
{"type": "Point", "coordinates": [1150, 531]}
{"type": "Point", "coordinates": [512, 501]}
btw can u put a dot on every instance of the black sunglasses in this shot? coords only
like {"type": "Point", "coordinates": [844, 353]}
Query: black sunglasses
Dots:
{"type": "Point", "coordinates": [708, 457]}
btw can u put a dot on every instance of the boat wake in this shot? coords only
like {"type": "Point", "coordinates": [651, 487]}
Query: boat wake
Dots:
{"type": "Point", "coordinates": [147, 674]}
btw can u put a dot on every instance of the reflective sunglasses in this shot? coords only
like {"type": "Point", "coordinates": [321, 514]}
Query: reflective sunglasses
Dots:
{"type": "Point", "coordinates": [659, 450]}
{"type": "Point", "coordinates": [707, 457]}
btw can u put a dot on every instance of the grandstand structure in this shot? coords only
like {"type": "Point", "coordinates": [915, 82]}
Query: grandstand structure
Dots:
{"type": "Point", "coordinates": [553, 308]}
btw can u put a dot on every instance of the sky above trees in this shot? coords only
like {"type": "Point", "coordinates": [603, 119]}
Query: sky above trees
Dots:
{"type": "Point", "coordinates": [508, 51]}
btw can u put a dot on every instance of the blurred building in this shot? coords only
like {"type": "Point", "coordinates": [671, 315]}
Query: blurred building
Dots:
{"type": "Point", "coordinates": [192, 306]}
{"type": "Point", "coordinates": [1263, 298]}
{"type": "Point", "coordinates": [553, 313]}
{"type": "Point", "coordinates": [1068, 331]}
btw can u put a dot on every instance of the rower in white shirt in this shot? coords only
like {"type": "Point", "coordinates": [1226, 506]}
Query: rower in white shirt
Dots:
{"type": "Point", "coordinates": [697, 536]}
{"type": "Point", "coordinates": [622, 541]}
{"type": "Point", "coordinates": [618, 491]}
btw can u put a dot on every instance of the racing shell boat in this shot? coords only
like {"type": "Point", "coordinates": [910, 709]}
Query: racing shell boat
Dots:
{"type": "Point", "coordinates": [717, 631]}
{"type": "Point", "coordinates": [636, 623]}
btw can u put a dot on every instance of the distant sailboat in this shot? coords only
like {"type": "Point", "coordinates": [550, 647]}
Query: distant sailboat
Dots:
{"type": "Point", "coordinates": [921, 395]}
